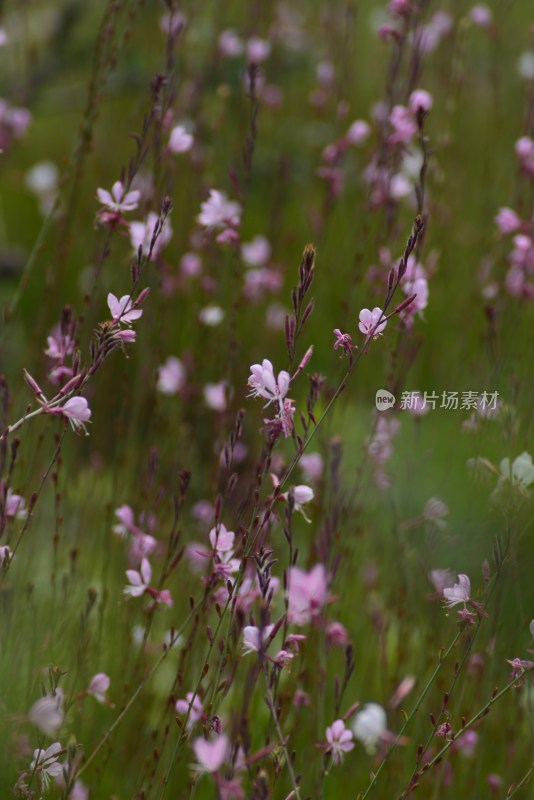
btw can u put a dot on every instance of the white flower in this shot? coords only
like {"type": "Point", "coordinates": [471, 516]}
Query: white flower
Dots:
{"type": "Point", "coordinates": [263, 383]}
{"type": "Point", "coordinates": [369, 726]}
{"type": "Point", "coordinates": [180, 140]}
{"type": "Point", "coordinates": [257, 252]}
{"type": "Point", "coordinates": [211, 315]}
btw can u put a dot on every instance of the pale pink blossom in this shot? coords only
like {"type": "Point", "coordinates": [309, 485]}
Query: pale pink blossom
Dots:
{"type": "Point", "coordinates": [171, 376]}
{"type": "Point", "coordinates": [122, 310]}
{"type": "Point", "coordinates": [221, 539]}
{"type": "Point", "coordinates": [263, 383]}
{"type": "Point", "coordinates": [339, 740]}
{"type": "Point", "coordinates": [358, 133]}
{"type": "Point", "coordinates": [302, 495]}
{"type": "Point", "coordinates": [45, 763]}
{"type": "Point", "coordinates": [139, 580]}
{"type": "Point", "coordinates": [336, 634]}
{"type": "Point", "coordinates": [307, 593]}
{"type": "Point", "coordinates": [312, 466]}
{"type": "Point", "coordinates": [211, 755]}
{"type": "Point", "coordinates": [192, 704]}
{"type": "Point", "coordinates": [76, 410]}
{"type": "Point", "coordinates": [459, 593]}
{"type": "Point", "coordinates": [481, 15]}
{"type": "Point", "coordinates": [257, 252]}
{"type": "Point", "coordinates": [283, 659]}
{"type": "Point", "coordinates": [6, 555]}
{"type": "Point", "coordinates": [180, 141]}
{"type": "Point", "coordinates": [15, 505]}
{"type": "Point", "coordinates": [507, 221]}
{"type": "Point", "coordinates": [141, 235]}
{"type": "Point", "coordinates": [230, 44]}
{"type": "Point", "coordinates": [254, 638]}
{"type": "Point", "coordinates": [190, 265]}
{"type": "Point", "coordinates": [118, 200]}
{"type": "Point", "coordinates": [369, 322]}
{"type": "Point", "coordinates": [420, 102]}
{"type": "Point", "coordinates": [258, 50]}
{"type": "Point", "coordinates": [215, 395]}
{"type": "Point", "coordinates": [98, 686]}
{"type": "Point", "coordinates": [403, 123]}
{"type": "Point", "coordinates": [79, 791]}
{"type": "Point", "coordinates": [218, 211]}
{"type": "Point", "coordinates": [47, 713]}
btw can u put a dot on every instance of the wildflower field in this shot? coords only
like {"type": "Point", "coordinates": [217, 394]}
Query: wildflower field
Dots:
{"type": "Point", "coordinates": [266, 389]}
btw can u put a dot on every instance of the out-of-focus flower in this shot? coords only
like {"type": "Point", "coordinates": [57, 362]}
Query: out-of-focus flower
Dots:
{"type": "Point", "coordinates": [258, 50]}
{"type": "Point", "coordinates": [192, 704]}
{"type": "Point", "coordinates": [119, 200]}
{"type": "Point", "coordinates": [211, 755]}
{"type": "Point", "coordinates": [215, 395]}
{"type": "Point", "coordinates": [308, 593]}
{"type": "Point", "coordinates": [6, 555]}
{"type": "Point", "coordinates": [142, 234]}
{"type": "Point", "coordinates": [98, 686]}
{"type": "Point", "coordinates": [459, 593]}
{"type": "Point", "coordinates": [525, 65]}
{"type": "Point", "coordinates": [369, 322]}
{"type": "Point", "coordinates": [420, 102]}
{"type": "Point", "coordinates": [230, 44]}
{"type": "Point", "coordinates": [219, 212]}
{"type": "Point", "coordinates": [257, 252]}
{"type": "Point", "coordinates": [211, 315]}
{"type": "Point", "coordinates": [442, 579]}
{"type": "Point", "coordinates": [339, 740]}
{"type": "Point", "coordinates": [180, 141]}
{"type": "Point", "coordinates": [358, 133]}
{"type": "Point", "coordinates": [370, 725]}
{"type": "Point", "coordinates": [171, 376]}
{"type": "Point", "coordinates": [436, 511]}
{"type": "Point", "coordinates": [254, 639]}
{"type": "Point", "coordinates": [312, 466]}
{"type": "Point", "coordinates": [481, 16]}
{"type": "Point", "coordinates": [47, 713]}
{"type": "Point", "coordinates": [336, 634]}
{"type": "Point", "coordinates": [507, 221]}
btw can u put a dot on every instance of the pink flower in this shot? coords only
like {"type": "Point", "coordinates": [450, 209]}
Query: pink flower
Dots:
{"type": "Point", "coordinates": [358, 132]}
{"type": "Point", "coordinates": [15, 505]}
{"type": "Point", "coordinates": [336, 634]}
{"type": "Point", "coordinates": [190, 265]}
{"type": "Point", "coordinates": [254, 638]}
{"type": "Point", "coordinates": [47, 713]}
{"type": "Point", "coordinates": [308, 593]}
{"type": "Point", "coordinates": [118, 200]}
{"type": "Point", "coordinates": [312, 466]}
{"type": "Point", "coordinates": [343, 340]}
{"type": "Point", "coordinates": [45, 762]}
{"type": "Point", "coordinates": [193, 705]}
{"type": "Point", "coordinates": [211, 755]}
{"type": "Point", "coordinates": [420, 102]}
{"type": "Point", "coordinates": [301, 496]}
{"type": "Point", "coordinates": [257, 252]}
{"type": "Point", "coordinates": [507, 221]}
{"type": "Point", "coordinates": [98, 686]}
{"type": "Point", "coordinates": [122, 310]}
{"type": "Point", "coordinates": [339, 740]}
{"type": "Point", "coordinates": [258, 50]}
{"type": "Point", "coordinates": [221, 539]}
{"type": "Point", "coordinates": [180, 141]}
{"type": "Point", "coordinates": [139, 581]}
{"type": "Point", "coordinates": [402, 121]}
{"type": "Point", "coordinates": [219, 212]}
{"type": "Point", "coordinates": [369, 322]}
{"type": "Point", "coordinates": [481, 15]}
{"type": "Point", "coordinates": [230, 45]}
{"type": "Point", "coordinates": [77, 412]}
{"type": "Point", "coordinates": [263, 382]}
{"type": "Point", "coordinates": [141, 235]}
{"type": "Point", "coordinates": [459, 593]}
{"type": "Point", "coordinates": [215, 395]}
{"type": "Point", "coordinates": [171, 376]}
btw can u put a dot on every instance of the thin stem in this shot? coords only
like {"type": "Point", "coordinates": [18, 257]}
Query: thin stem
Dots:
{"type": "Point", "coordinates": [272, 709]}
